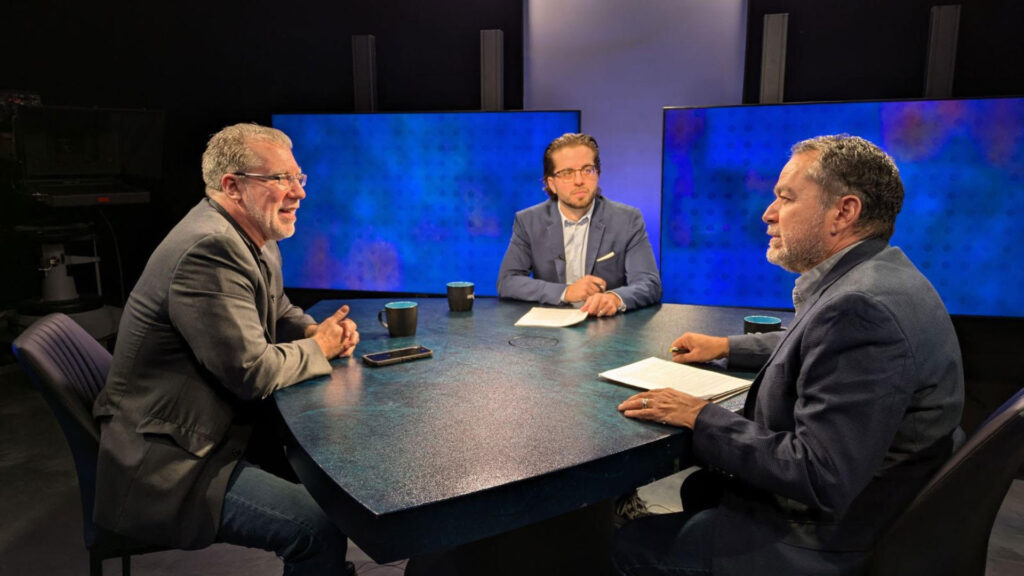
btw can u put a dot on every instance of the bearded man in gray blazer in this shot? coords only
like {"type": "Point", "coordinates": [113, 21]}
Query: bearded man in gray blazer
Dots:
{"type": "Point", "coordinates": [206, 336]}
{"type": "Point", "coordinates": [856, 405]}
{"type": "Point", "coordinates": [579, 247]}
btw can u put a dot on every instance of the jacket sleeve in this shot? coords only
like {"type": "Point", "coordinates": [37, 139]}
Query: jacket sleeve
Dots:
{"type": "Point", "coordinates": [643, 281]}
{"type": "Point", "coordinates": [827, 411]}
{"type": "Point", "coordinates": [749, 352]}
{"type": "Point", "coordinates": [514, 277]}
{"type": "Point", "coordinates": [212, 303]}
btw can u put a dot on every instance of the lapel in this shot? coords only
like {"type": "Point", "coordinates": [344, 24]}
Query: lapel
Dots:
{"type": "Point", "coordinates": [270, 312]}
{"type": "Point", "coordinates": [864, 251]}
{"type": "Point", "coordinates": [555, 239]}
{"type": "Point", "coordinates": [264, 294]}
{"type": "Point", "coordinates": [595, 234]}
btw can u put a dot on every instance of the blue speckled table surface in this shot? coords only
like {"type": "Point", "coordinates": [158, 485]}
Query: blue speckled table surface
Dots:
{"type": "Point", "coordinates": [504, 426]}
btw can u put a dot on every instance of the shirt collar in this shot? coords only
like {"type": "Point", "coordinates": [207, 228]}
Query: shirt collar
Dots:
{"type": "Point", "coordinates": [245, 237]}
{"type": "Point", "coordinates": [808, 282]}
{"type": "Point", "coordinates": [583, 220]}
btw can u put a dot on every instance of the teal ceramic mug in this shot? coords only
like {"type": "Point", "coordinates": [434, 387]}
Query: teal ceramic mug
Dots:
{"type": "Point", "coordinates": [460, 296]}
{"type": "Point", "coordinates": [399, 318]}
{"type": "Point", "coordinates": [758, 324]}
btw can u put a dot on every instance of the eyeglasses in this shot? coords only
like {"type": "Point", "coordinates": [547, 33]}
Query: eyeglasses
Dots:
{"type": "Point", "coordinates": [588, 171]}
{"type": "Point", "coordinates": [283, 181]}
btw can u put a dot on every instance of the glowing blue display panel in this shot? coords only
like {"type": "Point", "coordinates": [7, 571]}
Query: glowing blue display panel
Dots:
{"type": "Point", "coordinates": [409, 202]}
{"type": "Point", "coordinates": [962, 164]}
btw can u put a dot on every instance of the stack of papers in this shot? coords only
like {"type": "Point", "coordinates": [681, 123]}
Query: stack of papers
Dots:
{"type": "Point", "coordinates": [654, 373]}
{"type": "Point", "coordinates": [552, 317]}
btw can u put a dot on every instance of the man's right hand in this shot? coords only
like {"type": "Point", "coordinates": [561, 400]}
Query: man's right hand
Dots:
{"type": "Point", "coordinates": [584, 288]}
{"type": "Point", "coordinates": [337, 335]}
{"type": "Point", "coordinates": [693, 347]}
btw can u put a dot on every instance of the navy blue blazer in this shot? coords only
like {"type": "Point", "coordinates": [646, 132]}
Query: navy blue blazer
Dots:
{"type": "Point", "coordinates": [537, 248]}
{"type": "Point", "coordinates": [852, 412]}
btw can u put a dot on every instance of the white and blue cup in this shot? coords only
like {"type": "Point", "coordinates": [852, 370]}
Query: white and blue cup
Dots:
{"type": "Point", "coordinates": [460, 296]}
{"type": "Point", "coordinates": [759, 324]}
{"type": "Point", "coordinates": [399, 318]}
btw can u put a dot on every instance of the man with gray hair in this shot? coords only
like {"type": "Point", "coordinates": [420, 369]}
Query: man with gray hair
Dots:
{"type": "Point", "coordinates": [206, 336]}
{"type": "Point", "coordinates": [854, 407]}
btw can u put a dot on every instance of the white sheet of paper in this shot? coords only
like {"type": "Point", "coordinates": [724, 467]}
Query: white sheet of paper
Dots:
{"type": "Point", "coordinates": [653, 372]}
{"type": "Point", "coordinates": [551, 317]}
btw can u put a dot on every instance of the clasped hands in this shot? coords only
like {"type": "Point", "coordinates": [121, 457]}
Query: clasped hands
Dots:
{"type": "Point", "coordinates": [337, 336]}
{"type": "Point", "coordinates": [597, 302]}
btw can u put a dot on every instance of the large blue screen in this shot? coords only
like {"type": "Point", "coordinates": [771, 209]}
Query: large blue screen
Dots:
{"type": "Point", "coordinates": [962, 163]}
{"type": "Point", "coordinates": [408, 202]}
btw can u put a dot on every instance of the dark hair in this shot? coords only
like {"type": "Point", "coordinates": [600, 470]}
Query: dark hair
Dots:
{"type": "Point", "coordinates": [852, 165]}
{"type": "Point", "coordinates": [565, 141]}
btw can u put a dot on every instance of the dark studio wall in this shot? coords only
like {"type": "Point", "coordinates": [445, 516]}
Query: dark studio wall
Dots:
{"type": "Point", "coordinates": [209, 64]}
{"type": "Point", "coordinates": [876, 50]}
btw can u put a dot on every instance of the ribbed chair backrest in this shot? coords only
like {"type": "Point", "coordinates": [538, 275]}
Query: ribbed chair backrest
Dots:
{"type": "Point", "coordinates": [69, 367]}
{"type": "Point", "coordinates": [945, 530]}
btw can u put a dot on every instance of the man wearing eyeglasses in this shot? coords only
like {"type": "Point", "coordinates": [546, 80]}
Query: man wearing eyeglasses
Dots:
{"type": "Point", "coordinates": [578, 247]}
{"type": "Point", "coordinates": [206, 336]}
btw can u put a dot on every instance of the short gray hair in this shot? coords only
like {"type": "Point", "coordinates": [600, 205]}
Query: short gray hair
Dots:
{"type": "Point", "coordinates": [229, 150]}
{"type": "Point", "coordinates": [852, 165]}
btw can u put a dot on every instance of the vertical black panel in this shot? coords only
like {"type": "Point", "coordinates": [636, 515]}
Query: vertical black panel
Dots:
{"type": "Point", "coordinates": [492, 70]}
{"type": "Point", "coordinates": [364, 73]}
{"type": "Point", "coordinates": [773, 58]}
{"type": "Point", "coordinates": [942, 34]}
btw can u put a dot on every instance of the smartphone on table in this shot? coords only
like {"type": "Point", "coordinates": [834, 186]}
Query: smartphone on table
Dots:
{"type": "Point", "coordinates": [388, 357]}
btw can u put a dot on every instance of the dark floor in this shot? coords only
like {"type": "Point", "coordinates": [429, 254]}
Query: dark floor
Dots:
{"type": "Point", "coordinates": [40, 518]}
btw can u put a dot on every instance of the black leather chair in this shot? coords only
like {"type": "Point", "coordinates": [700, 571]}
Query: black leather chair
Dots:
{"type": "Point", "coordinates": [69, 367]}
{"type": "Point", "coordinates": [945, 530]}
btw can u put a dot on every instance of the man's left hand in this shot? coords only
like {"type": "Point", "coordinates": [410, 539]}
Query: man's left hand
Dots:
{"type": "Point", "coordinates": [664, 405]}
{"type": "Point", "coordinates": [602, 304]}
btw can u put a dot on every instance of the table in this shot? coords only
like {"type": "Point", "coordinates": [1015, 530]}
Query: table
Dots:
{"type": "Point", "coordinates": [504, 427]}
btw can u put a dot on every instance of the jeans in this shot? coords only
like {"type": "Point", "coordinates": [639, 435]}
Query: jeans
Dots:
{"type": "Point", "coordinates": [680, 544]}
{"type": "Point", "coordinates": [264, 511]}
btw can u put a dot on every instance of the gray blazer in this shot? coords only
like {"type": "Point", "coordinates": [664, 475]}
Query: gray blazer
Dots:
{"type": "Point", "coordinates": [206, 332]}
{"type": "Point", "coordinates": [537, 247]}
{"type": "Point", "coordinates": [854, 409]}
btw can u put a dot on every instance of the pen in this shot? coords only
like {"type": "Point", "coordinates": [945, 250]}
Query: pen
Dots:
{"type": "Point", "coordinates": [675, 350]}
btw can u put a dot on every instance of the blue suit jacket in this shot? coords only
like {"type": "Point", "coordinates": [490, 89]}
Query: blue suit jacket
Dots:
{"type": "Point", "coordinates": [537, 247]}
{"type": "Point", "coordinates": [852, 412]}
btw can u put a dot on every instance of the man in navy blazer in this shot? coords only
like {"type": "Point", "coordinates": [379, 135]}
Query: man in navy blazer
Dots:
{"type": "Point", "coordinates": [580, 247]}
{"type": "Point", "coordinates": [856, 405]}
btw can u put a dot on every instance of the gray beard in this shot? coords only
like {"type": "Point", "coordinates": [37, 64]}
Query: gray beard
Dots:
{"type": "Point", "coordinates": [798, 258]}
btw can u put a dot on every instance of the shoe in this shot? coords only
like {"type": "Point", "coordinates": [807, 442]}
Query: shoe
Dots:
{"type": "Point", "coordinates": [350, 569]}
{"type": "Point", "coordinates": [630, 507]}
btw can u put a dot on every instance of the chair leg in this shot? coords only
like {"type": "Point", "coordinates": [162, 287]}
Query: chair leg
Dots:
{"type": "Point", "coordinates": [126, 565]}
{"type": "Point", "coordinates": [95, 564]}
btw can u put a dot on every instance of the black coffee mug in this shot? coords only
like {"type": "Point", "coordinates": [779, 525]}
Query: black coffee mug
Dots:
{"type": "Point", "coordinates": [401, 318]}
{"type": "Point", "coordinates": [460, 296]}
{"type": "Point", "coordinates": [759, 324]}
